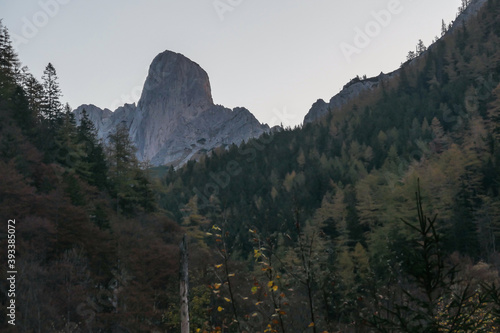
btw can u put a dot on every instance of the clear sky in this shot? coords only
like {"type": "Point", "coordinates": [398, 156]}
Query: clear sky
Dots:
{"type": "Point", "coordinates": [274, 57]}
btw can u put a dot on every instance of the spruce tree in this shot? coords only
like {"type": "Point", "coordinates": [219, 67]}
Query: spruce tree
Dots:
{"type": "Point", "coordinates": [123, 168]}
{"type": "Point", "coordinates": [95, 157]}
{"type": "Point", "coordinates": [51, 105]}
{"type": "Point", "coordinates": [34, 92]}
{"type": "Point", "coordinates": [9, 64]}
{"type": "Point", "coordinates": [70, 153]}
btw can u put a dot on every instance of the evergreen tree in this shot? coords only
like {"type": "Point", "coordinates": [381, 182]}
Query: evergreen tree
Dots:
{"type": "Point", "coordinates": [51, 105]}
{"type": "Point", "coordinates": [131, 186]}
{"type": "Point", "coordinates": [354, 228]}
{"type": "Point", "coordinates": [34, 92]}
{"type": "Point", "coordinates": [9, 63]}
{"type": "Point", "coordinates": [444, 28]}
{"type": "Point", "coordinates": [24, 115]}
{"type": "Point", "coordinates": [95, 157]}
{"type": "Point", "coordinates": [421, 48]}
{"type": "Point", "coordinates": [70, 152]}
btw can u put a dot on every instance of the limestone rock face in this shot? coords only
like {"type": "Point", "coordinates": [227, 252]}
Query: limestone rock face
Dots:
{"type": "Point", "coordinates": [348, 93]}
{"type": "Point", "coordinates": [105, 120]}
{"type": "Point", "coordinates": [175, 119]}
{"type": "Point", "coordinates": [472, 9]}
{"type": "Point", "coordinates": [319, 109]}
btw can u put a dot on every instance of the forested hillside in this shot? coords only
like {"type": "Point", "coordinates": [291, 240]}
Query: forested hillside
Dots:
{"type": "Point", "coordinates": [327, 201]}
{"type": "Point", "coordinates": [382, 217]}
{"type": "Point", "coordinates": [92, 251]}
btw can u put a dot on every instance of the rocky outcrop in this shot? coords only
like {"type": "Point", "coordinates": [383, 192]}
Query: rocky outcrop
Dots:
{"type": "Point", "coordinates": [175, 119]}
{"type": "Point", "coordinates": [106, 120]}
{"type": "Point", "coordinates": [350, 91]}
{"type": "Point", "coordinates": [472, 9]}
{"type": "Point", "coordinates": [356, 86]}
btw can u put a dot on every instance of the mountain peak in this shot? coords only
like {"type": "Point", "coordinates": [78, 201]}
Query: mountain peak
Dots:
{"type": "Point", "coordinates": [174, 78]}
{"type": "Point", "coordinates": [175, 113]}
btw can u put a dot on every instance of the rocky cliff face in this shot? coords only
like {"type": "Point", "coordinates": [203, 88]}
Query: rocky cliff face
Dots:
{"type": "Point", "coordinates": [348, 93]}
{"type": "Point", "coordinates": [175, 119]}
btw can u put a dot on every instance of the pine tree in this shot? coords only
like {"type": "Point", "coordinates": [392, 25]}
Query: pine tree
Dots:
{"type": "Point", "coordinates": [95, 157]}
{"type": "Point", "coordinates": [411, 55]}
{"type": "Point", "coordinates": [421, 48]}
{"type": "Point", "coordinates": [34, 92]}
{"type": "Point", "coordinates": [24, 115]}
{"type": "Point", "coordinates": [444, 28]}
{"type": "Point", "coordinates": [9, 63]}
{"type": "Point", "coordinates": [51, 105]}
{"type": "Point", "coordinates": [70, 152]}
{"type": "Point", "coordinates": [124, 171]}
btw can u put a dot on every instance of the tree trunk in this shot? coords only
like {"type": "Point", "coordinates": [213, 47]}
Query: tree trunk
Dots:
{"type": "Point", "coordinates": [184, 285]}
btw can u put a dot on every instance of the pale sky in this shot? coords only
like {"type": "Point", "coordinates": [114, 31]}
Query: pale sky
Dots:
{"type": "Point", "coordinates": [274, 57]}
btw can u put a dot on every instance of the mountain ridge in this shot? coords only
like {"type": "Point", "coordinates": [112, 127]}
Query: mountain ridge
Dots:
{"type": "Point", "coordinates": [356, 86]}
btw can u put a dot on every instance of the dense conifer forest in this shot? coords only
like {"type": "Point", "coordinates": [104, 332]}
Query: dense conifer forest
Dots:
{"type": "Point", "coordinates": [382, 217]}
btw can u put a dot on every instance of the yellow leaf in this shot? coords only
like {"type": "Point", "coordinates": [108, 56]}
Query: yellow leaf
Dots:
{"type": "Point", "coordinates": [255, 314]}
{"type": "Point", "coordinates": [218, 266]}
{"type": "Point", "coordinates": [259, 303]}
{"type": "Point", "coordinates": [217, 285]}
{"type": "Point", "coordinates": [311, 324]}
{"type": "Point", "coordinates": [230, 275]}
{"type": "Point", "coordinates": [209, 234]}
{"type": "Point", "coordinates": [270, 283]}
{"type": "Point", "coordinates": [275, 288]}
{"type": "Point", "coordinates": [216, 228]}
{"type": "Point", "coordinates": [227, 299]}
{"type": "Point", "coordinates": [220, 308]}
